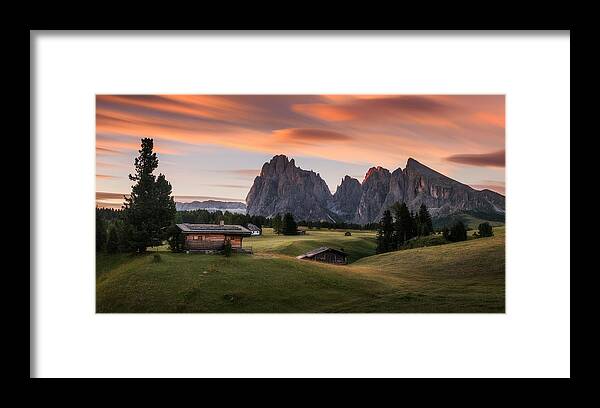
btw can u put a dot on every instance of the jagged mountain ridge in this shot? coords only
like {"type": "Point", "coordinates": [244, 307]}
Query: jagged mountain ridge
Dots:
{"type": "Point", "coordinates": [282, 187]}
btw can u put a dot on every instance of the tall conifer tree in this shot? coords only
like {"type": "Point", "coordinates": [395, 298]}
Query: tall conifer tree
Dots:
{"type": "Point", "coordinates": [404, 224]}
{"type": "Point", "coordinates": [288, 225]}
{"type": "Point", "coordinates": [150, 208]}
{"type": "Point", "coordinates": [385, 233]}
{"type": "Point", "coordinates": [424, 222]}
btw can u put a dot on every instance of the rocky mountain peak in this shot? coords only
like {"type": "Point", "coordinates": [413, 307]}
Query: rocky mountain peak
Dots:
{"type": "Point", "coordinates": [282, 187]}
{"type": "Point", "coordinates": [347, 197]}
{"type": "Point", "coordinates": [380, 171]}
{"type": "Point", "coordinates": [414, 167]}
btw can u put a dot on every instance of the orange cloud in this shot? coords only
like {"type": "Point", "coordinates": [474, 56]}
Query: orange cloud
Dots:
{"type": "Point", "coordinates": [360, 129]}
{"type": "Point", "coordinates": [325, 112]}
{"type": "Point", "coordinates": [494, 119]}
{"type": "Point", "coordinates": [104, 204]}
{"type": "Point", "coordinates": [115, 146]}
{"type": "Point", "coordinates": [298, 135]}
{"type": "Point", "coordinates": [365, 108]}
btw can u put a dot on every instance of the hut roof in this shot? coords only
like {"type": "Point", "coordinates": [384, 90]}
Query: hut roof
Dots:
{"type": "Point", "coordinates": [319, 250]}
{"type": "Point", "coordinates": [213, 228]}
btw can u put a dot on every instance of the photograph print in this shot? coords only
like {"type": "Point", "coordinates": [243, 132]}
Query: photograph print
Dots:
{"type": "Point", "coordinates": [300, 204]}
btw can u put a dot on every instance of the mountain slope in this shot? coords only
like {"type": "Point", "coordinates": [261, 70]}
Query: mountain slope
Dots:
{"type": "Point", "coordinates": [454, 278]}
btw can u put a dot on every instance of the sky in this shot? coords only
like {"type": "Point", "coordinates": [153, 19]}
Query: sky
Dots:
{"type": "Point", "coordinates": [213, 146]}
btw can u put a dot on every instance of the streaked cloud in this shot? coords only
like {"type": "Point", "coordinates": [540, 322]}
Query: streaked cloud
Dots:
{"type": "Point", "coordinates": [494, 159]}
{"type": "Point", "coordinates": [450, 133]}
{"type": "Point", "coordinates": [103, 195]}
{"type": "Point", "coordinates": [372, 107]}
{"type": "Point", "coordinates": [104, 150]}
{"type": "Point", "coordinates": [309, 136]}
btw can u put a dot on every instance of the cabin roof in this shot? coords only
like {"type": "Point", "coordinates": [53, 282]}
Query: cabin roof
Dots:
{"type": "Point", "coordinates": [213, 228]}
{"type": "Point", "coordinates": [319, 250]}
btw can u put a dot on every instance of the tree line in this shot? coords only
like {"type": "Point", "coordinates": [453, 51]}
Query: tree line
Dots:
{"type": "Point", "coordinates": [399, 225]}
{"type": "Point", "coordinates": [202, 216]}
{"type": "Point", "coordinates": [285, 225]}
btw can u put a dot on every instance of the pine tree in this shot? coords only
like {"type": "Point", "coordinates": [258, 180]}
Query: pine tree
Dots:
{"type": "Point", "coordinates": [485, 230]}
{"type": "Point", "coordinates": [458, 232]}
{"type": "Point", "coordinates": [288, 225]}
{"type": "Point", "coordinates": [404, 224]}
{"type": "Point", "coordinates": [112, 242]}
{"type": "Point", "coordinates": [100, 232]}
{"type": "Point", "coordinates": [227, 249]}
{"type": "Point", "coordinates": [277, 223]}
{"type": "Point", "coordinates": [446, 233]}
{"type": "Point", "coordinates": [385, 233]}
{"type": "Point", "coordinates": [150, 209]}
{"type": "Point", "coordinates": [125, 234]}
{"type": "Point", "coordinates": [424, 222]}
{"type": "Point", "coordinates": [176, 239]}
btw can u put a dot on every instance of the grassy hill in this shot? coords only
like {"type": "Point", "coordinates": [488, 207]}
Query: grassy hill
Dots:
{"type": "Point", "coordinates": [358, 245]}
{"type": "Point", "coordinates": [460, 277]}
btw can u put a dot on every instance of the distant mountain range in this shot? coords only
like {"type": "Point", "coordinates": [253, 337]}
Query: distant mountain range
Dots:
{"type": "Point", "coordinates": [283, 187]}
{"type": "Point", "coordinates": [212, 206]}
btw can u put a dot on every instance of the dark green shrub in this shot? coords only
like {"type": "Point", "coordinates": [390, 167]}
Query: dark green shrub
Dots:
{"type": "Point", "coordinates": [176, 239]}
{"type": "Point", "coordinates": [112, 242]}
{"type": "Point", "coordinates": [458, 232]}
{"type": "Point", "coordinates": [446, 233]}
{"type": "Point", "coordinates": [101, 235]}
{"type": "Point", "coordinates": [227, 250]}
{"type": "Point", "coordinates": [485, 230]}
{"type": "Point", "coordinates": [288, 225]}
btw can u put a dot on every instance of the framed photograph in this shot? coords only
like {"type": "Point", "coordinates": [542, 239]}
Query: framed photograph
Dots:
{"type": "Point", "coordinates": [376, 202]}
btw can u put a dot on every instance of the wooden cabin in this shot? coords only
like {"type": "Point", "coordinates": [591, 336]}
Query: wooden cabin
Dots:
{"type": "Point", "coordinates": [212, 237]}
{"type": "Point", "coordinates": [326, 254]}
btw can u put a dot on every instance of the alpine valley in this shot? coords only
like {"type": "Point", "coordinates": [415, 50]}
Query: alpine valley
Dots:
{"type": "Point", "coordinates": [283, 187]}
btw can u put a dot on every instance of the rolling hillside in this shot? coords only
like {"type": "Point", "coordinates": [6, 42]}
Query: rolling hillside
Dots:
{"type": "Point", "coordinates": [460, 277]}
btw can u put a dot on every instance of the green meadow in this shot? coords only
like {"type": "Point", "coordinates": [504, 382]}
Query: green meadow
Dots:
{"type": "Point", "coordinates": [432, 277]}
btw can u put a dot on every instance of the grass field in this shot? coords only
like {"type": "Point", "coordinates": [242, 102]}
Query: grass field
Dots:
{"type": "Point", "coordinates": [459, 277]}
{"type": "Point", "coordinates": [358, 245]}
